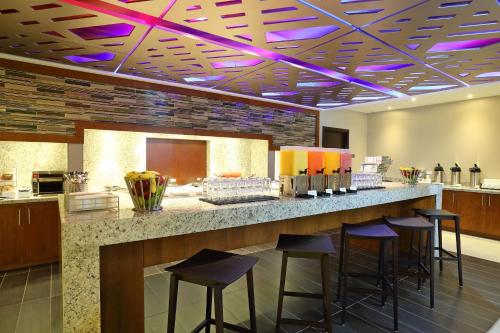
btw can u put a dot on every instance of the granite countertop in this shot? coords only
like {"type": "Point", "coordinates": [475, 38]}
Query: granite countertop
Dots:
{"type": "Point", "coordinates": [32, 199]}
{"type": "Point", "coordinates": [189, 214]}
{"type": "Point", "coordinates": [470, 189]}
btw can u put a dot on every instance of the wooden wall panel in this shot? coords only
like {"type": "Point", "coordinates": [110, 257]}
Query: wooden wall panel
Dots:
{"type": "Point", "coordinates": [184, 160]}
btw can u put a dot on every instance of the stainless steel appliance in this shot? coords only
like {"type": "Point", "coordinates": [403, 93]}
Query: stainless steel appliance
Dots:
{"type": "Point", "coordinates": [438, 174]}
{"type": "Point", "coordinates": [475, 176]}
{"type": "Point", "coordinates": [456, 172]}
{"type": "Point", "coordinates": [293, 186]}
{"type": "Point", "coordinates": [333, 181]}
{"type": "Point", "coordinates": [317, 181]}
{"type": "Point", "coordinates": [47, 182]}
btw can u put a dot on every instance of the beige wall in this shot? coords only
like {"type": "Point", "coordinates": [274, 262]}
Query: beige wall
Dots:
{"type": "Point", "coordinates": [465, 132]}
{"type": "Point", "coordinates": [356, 123]}
{"type": "Point", "coordinates": [27, 157]}
{"type": "Point", "coordinates": [109, 155]}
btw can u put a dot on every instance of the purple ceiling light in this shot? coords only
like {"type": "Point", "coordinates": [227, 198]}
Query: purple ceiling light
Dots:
{"type": "Point", "coordinates": [236, 63]}
{"type": "Point", "coordinates": [279, 93]}
{"type": "Point", "coordinates": [204, 78]}
{"type": "Point", "coordinates": [464, 45]}
{"type": "Point", "coordinates": [104, 31]}
{"type": "Point", "coordinates": [489, 74]}
{"type": "Point", "coordinates": [317, 84]}
{"type": "Point", "coordinates": [299, 34]}
{"type": "Point", "coordinates": [84, 58]}
{"type": "Point", "coordinates": [382, 68]}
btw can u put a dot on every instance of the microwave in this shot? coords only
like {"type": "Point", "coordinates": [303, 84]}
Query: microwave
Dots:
{"type": "Point", "coordinates": [47, 182]}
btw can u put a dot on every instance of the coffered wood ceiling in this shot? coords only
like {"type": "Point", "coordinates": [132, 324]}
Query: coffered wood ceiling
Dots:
{"type": "Point", "coordinates": [313, 53]}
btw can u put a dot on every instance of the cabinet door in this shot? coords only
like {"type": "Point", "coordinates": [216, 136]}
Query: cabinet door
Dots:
{"type": "Point", "coordinates": [493, 215]}
{"type": "Point", "coordinates": [472, 209]}
{"type": "Point", "coordinates": [449, 200]}
{"type": "Point", "coordinates": [10, 236]}
{"type": "Point", "coordinates": [41, 233]}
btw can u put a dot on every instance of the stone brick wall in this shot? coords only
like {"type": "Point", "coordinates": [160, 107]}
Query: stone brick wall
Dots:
{"type": "Point", "coordinates": [35, 103]}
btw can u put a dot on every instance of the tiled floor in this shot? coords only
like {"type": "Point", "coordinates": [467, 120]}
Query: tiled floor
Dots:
{"type": "Point", "coordinates": [478, 247]}
{"type": "Point", "coordinates": [30, 299]}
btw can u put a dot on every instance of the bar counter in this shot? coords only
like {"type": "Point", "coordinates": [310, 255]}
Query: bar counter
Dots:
{"type": "Point", "coordinates": [104, 252]}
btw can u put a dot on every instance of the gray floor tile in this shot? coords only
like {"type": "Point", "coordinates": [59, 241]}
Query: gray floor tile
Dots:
{"type": "Point", "coordinates": [38, 284]}
{"type": "Point", "coordinates": [12, 289]}
{"type": "Point", "coordinates": [35, 316]}
{"type": "Point", "coordinates": [8, 317]}
{"type": "Point", "coordinates": [55, 314]}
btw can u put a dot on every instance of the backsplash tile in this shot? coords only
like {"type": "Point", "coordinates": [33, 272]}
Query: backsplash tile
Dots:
{"type": "Point", "coordinates": [36, 103]}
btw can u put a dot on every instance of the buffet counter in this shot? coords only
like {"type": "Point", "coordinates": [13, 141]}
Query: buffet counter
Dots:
{"type": "Point", "coordinates": [103, 253]}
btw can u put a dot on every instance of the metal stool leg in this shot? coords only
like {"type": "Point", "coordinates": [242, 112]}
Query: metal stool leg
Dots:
{"type": "Point", "coordinates": [383, 260]}
{"type": "Point", "coordinates": [281, 291]}
{"type": "Point", "coordinates": [172, 303]}
{"type": "Point", "coordinates": [208, 310]}
{"type": "Point", "coordinates": [219, 312]}
{"type": "Point", "coordinates": [395, 268]}
{"type": "Point", "coordinates": [431, 266]}
{"type": "Point", "coordinates": [459, 251]}
{"type": "Point", "coordinates": [341, 264]}
{"type": "Point", "coordinates": [440, 235]}
{"type": "Point", "coordinates": [343, 289]}
{"type": "Point", "coordinates": [327, 306]}
{"type": "Point", "coordinates": [251, 301]}
{"type": "Point", "coordinates": [419, 261]}
{"type": "Point", "coordinates": [410, 250]}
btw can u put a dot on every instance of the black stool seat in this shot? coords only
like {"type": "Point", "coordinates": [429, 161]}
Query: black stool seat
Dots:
{"type": "Point", "coordinates": [435, 213]}
{"type": "Point", "coordinates": [369, 231]}
{"type": "Point", "coordinates": [215, 270]}
{"type": "Point", "coordinates": [409, 222]}
{"type": "Point", "coordinates": [312, 247]}
{"type": "Point", "coordinates": [213, 267]}
{"type": "Point", "coordinates": [305, 243]}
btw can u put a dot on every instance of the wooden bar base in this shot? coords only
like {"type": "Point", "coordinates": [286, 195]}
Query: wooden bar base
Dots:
{"type": "Point", "coordinates": [122, 265]}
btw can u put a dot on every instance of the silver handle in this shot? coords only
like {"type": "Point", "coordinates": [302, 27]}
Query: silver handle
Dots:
{"type": "Point", "coordinates": [19, 216]}
{"type": "Point", "coordinates": [489, 200]}
{"type": "Point", "coordinates": [482, 200]}
{"type": "Point", "coordinates": [453, 198]}
{"type": "Point", "coordinates": [29, 215]}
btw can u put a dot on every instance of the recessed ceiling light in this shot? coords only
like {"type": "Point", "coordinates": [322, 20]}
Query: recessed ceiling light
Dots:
{"type": "Point", "coordinates": [413, 99]}
{"type": "Point", "coordinates": [389, 108]}
{"type": "Point", "coordinates": [469, 96]}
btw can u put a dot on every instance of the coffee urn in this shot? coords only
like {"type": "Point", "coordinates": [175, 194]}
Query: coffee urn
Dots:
{"type": "Point", "coordinates": [455, 174]}
{"type": "Point", "coordinates": [439, 174]}
{"type": "Point", "coordinates": [475, 176]}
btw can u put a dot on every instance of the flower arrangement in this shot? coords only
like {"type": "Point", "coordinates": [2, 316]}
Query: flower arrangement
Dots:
{"type": "Point", "coordinates": [410, 175]}
{"type": "Point", "coordinates": [146, 189]}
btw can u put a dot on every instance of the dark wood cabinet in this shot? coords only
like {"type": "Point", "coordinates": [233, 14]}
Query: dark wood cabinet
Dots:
{"type": "Point", "coordinates": [29, 234]}
{"type": "Point", "coordinates": [480, 212]}
{"type": "Point", "coordinates": [10, 235]}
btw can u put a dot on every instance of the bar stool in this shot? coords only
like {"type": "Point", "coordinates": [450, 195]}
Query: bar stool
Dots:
{"type": "Point", "coordinates": [215, 270]}
{"type": "Point", "coordinates": [306, 246]}
{"type": "Point", "coordinates": [379, 232]}
{"type": "Point", "coordinates": [440, 215]}
{"type": "Point", "coordinates": [418, 225]}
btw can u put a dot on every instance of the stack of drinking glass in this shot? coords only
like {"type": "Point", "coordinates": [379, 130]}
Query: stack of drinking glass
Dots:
{"type": "Point", "coordinates": [364, 180]}
{"type": "Point", "coordinates": [233, 190]}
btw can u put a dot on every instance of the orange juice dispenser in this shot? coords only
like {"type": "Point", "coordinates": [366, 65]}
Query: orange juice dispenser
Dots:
{"type": "Point", "coordinates": [293, 172]}
{"type": "Point", "coordinates": [316, 171]}
{"type": "Point", "coordinates": [331, 161]}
